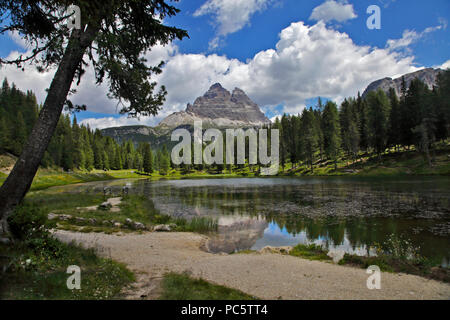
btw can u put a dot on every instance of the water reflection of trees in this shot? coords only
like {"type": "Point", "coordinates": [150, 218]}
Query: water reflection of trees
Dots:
{"type": "Point", "coordinates": [377, 211]}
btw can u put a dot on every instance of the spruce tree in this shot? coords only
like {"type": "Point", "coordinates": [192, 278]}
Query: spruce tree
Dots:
{"type": "Point", "coordinates": [148, 159]}
{"type": "Point", "coordinates": [309, 137]}
{"type": "Point", "coordinates": [378, 116]}
{"type": "Point", "coordinates": [331, 132]}
{"type": "Point", "coordinates": [394, 120]}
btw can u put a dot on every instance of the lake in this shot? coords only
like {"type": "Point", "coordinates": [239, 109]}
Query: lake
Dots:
{"type": "Point", "coordinates": [348, 214]}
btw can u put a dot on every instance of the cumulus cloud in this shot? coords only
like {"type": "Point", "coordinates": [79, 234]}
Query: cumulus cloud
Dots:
{"type": "Point", "coordinates": [95, 97]}
{"type": "Point", "coordinates": [307, 62]}
{"type": "Point", "coordinates": [230, 15]}
{"type": "Point", "coordinates": [330, 10]}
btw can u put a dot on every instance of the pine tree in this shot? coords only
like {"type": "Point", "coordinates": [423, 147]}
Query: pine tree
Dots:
{"type": "Point", "coordinates": [148, 159]}
{"type": "Point", "coordinates": [19, 135]}
{"type": "Point", "coordinates": [394, 120]}
{"type": "Point", "coordinates": [349, 120]}
{"type": "Point", "coordinates": [165, 161]}
{"type": "Point", "coordinates": [442, 105]}
{"type": "Point", "coordinates": [361, 106]}
{"type": "Point", "coordinates": [309, 137]}
{"type": "Point", "coordinates": [379, 110]}
{"type": "Point", "coordinates": [331, 132]}
{"type": "Point", "coordinates": [106, 165]}
{"type": "Point", "coordinates": [4, 135]}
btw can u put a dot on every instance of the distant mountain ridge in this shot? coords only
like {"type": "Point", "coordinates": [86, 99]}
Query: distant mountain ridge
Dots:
{"type": "Point", "coordinates": [428, 76]}
{"type": "Point", "coordinates": [219, 108]}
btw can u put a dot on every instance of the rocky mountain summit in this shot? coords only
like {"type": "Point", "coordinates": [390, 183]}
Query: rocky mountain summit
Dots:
{"type": "Point", "coordinates": [219, 108]}
{"type": "Point", "coordinates": [428, 76]}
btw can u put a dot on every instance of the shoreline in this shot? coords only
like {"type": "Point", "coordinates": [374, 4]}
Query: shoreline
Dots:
{"type": "Point", "coordinates": [267, 276]}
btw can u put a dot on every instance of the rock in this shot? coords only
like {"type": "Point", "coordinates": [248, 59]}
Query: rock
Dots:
{"type": "Point", "coordinates": [220, 108]}
{"type": "Point", "coordinates": [117, 225]}
{"type": "Point", "coordinates": [162, 228]}
{"type": "Point", "coordinates": [428, 76]}
{"type": "Point", "coordinates": [139, 226]}
{"type": "Point", "coordinates": [107, 223]}
{"type": "Point", "coordinates": [336, 255]}
{"type": "Point", "coordinates": [276, 250]}
{"type": "Point", "coordinates": [105, 206]}
{"type": "Point", "coordinates": [129, 221]}
{"type": "Point", "coordinates": [52, 216]}
{"type": "Point", "coordinates": [65, 217]}
{"type": "Point", "coordinates": [93, 221]}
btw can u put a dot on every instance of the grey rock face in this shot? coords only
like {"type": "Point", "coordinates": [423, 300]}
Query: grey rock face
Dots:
{"type": "Point", "coordinates": [428, 76]}
{"type": "Point", "coordinates": [218, 107]}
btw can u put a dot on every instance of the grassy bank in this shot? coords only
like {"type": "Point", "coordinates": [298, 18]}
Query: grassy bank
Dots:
{"type": "Point", "coordinates": [396, 263]}
{"type": "Point", "coordinates": [183, 287]}
{"type": "Point", "coordinates": [405, 162]}
{"type": "Point", "coordinates": [86, 217]}
{"type": "Point", "coordinates": [37, 270]}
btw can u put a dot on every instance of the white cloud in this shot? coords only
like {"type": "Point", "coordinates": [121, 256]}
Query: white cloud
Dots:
{"type": "Point", "coordinates": [230, 15]}
{"type": "Point", "coordinates": [111, 122]}
{"type": "Point", "coordinates": [95, 97]}
{"type": "Point", "coordinates": [273, 119]}
{"type": "Point", "coordinates": [445, 65]}
{"type": "Point", "coordinates": [406, 40]}
{"type": "Point", "coordinates": [410, 36]}
{"type": "Point", "coordinates": [307, 62]}
{"type": "Point", "coordinates": [330, 10]}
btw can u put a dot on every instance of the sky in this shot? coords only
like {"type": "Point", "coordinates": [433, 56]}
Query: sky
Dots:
{"type": "Point", "coordinates": [283, 53]}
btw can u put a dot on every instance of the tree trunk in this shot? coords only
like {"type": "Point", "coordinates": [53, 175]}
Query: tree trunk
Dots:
{"type": "Point", "coordinates": [19, 181]}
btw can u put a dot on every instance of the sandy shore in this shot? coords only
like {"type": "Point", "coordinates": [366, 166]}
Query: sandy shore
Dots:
{"type": "Point", "coordinates": [267, 276]}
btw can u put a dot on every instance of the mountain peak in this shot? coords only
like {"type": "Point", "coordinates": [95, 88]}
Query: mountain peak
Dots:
{"type": "Point", "coordinates": [216, 86]}
{"type": "Point", "coordinates": [428, 76]}
{"type": "Point", "coordinates": [221, 108]}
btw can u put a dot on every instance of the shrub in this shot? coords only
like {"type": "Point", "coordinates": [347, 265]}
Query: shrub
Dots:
{"type": "Point", "coordinates": [28, 222]}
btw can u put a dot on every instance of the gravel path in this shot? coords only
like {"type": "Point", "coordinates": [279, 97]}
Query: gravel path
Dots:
{"type": "Point", "coordinates": [267, 276]}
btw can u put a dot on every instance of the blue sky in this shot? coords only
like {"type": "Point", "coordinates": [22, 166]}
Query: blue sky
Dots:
{"type": "Point", "coordinates": [283, 53]}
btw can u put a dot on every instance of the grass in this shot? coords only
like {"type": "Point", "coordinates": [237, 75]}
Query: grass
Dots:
{"type": "Point", "coordinates": [56, 201]}
{"type": "Point", "coordinates": [406, 162]}
{"type": "Point", "coordinates": [135, 207]}
{"type": "Point", "coordinates": [183, 287]}
{"type": "Point", "coordinates": [46, 179]}
{"type": "Point", "coordinates": [199, 225]}
{"type": "Point", "coordinates": [38, 272]}
{"type": "Point", "coordinates": [310, 252]}
{"type": "Point", "coordinates": [386, 263]}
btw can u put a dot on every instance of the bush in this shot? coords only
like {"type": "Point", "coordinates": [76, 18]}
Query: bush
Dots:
{"type": "Point", "coordinates": [28, 222]}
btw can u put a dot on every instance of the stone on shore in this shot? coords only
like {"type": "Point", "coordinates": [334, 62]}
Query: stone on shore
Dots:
{"type": "Point", "coordinates": [162, 228]}
{"type": "Point", "coordinates": [277, 250]}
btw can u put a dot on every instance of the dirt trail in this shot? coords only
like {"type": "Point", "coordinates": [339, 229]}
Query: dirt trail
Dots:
{"type": "Point", "coordinates": [267, 276]}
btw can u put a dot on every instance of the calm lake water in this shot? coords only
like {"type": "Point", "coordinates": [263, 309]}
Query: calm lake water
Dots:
{"type": "Point", "coordinates": [349, 214]}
